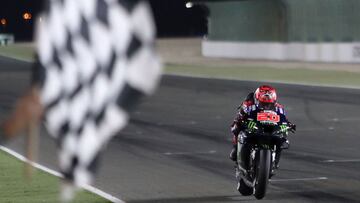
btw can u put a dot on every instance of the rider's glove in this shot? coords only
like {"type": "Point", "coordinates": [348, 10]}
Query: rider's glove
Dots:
{"type": "Point", "coordinates": [283, 128]}
{"type": "Point", "coordinates": [251, 126]}
{"type": "Point", "coordinates": [292, 127]}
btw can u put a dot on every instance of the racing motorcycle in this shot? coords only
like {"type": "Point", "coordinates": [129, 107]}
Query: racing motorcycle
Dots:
{"type": "Point", "coordinates": [264, 143]}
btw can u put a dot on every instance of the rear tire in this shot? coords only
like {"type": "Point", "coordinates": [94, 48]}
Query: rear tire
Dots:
{"type": "Point", "coordinates": [262, 173]}
{"type": "Point", "coordinates": [244, 189]}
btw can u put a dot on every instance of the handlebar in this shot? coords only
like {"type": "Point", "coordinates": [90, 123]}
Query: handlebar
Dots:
{"type": "Point", "coordinates": [290, 127]}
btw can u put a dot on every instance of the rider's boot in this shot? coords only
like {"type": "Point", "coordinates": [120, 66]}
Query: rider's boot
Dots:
{"type": "Point", "coordinates": [276, 162]}
{"type": "Point", "coordinates": [285, 144]}
{"type": "Point", "coordinates": [277, 158]}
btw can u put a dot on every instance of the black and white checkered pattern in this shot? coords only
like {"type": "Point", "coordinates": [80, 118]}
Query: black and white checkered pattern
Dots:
{"type": "Point", "coordinates": [99, 59]}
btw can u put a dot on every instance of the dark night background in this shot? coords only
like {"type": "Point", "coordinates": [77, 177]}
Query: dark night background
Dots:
{"type": "Point", "coordinates": [172, 18]}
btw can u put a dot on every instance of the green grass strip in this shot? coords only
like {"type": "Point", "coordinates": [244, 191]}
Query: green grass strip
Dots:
{"type": "Point", "coordinates": [43, 187]}
{"type": "Point", "coordinates": [300, 75]}
{"type": "Point", "coordinates": [294, 75]}
{"type": "Point", "coordinates": [21, 51]}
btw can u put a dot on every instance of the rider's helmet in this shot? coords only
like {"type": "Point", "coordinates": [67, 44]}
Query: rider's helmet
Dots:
{"type": "Point", "coordinates": [265, 97]}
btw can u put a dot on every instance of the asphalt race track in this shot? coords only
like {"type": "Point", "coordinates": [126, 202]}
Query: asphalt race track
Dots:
{"type": "Point", "coordinates": [176, 147]}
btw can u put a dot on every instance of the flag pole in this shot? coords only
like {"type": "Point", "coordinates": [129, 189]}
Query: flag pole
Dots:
{"type": "Point", "coordinates": [31, 145]}
{"type": "Point", "coordinates": [32, 139]}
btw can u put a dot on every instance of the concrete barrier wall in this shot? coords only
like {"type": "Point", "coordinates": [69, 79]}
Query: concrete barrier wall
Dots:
{"type": "Point", "coordinates": [284, 20]}
{"type": "Point", "coordinates": [341, 52]}
{"type": "Point", "coordinates": [6, 39]}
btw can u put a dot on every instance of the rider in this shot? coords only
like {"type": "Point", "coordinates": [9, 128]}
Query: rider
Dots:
{"type": "Point", "coordinates": [264, 98]}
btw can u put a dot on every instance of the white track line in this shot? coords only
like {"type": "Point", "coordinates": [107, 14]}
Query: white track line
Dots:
{"type": "Point", "coordinates": [57, 174]}
{"type": "Point", "coordinates": [341, 161]}
{"type": "Point", "coordinates": [299, 179]}
{"type": "Point", "coordinates": [189, 153]}
{"type": "Point", "coordinates": [267, 81]}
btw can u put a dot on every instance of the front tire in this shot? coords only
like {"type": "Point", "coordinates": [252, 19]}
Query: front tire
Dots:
{"type": "Point", "coordinates": [262, 173]}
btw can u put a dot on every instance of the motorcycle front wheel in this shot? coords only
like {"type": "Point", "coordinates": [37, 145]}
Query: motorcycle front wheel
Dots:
{"type": "Point", "coordinates": [262, 173]}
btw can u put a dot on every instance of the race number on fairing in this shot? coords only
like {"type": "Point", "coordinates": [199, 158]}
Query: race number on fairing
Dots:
{"type": "Point", "coordinates": [268, 117]}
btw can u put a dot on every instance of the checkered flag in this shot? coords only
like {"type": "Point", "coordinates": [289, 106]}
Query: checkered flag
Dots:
{"type": "Point", "coordinates": [98, 59]}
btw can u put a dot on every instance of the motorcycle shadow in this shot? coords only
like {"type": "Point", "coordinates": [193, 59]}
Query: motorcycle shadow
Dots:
{"type": "Point", "coordinates": [308, 196]}
{"type": "Point", "coordinates": [207, 199]}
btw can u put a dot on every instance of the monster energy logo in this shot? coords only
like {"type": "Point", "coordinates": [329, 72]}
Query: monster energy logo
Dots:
{"type": "Point", "coordinates": [251, 125]}
{"type": "Point", "coordinates": [283, 128]}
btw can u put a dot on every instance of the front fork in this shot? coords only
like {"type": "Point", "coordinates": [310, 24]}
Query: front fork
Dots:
{"type": "Point", "coordinates": [273, 164]}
